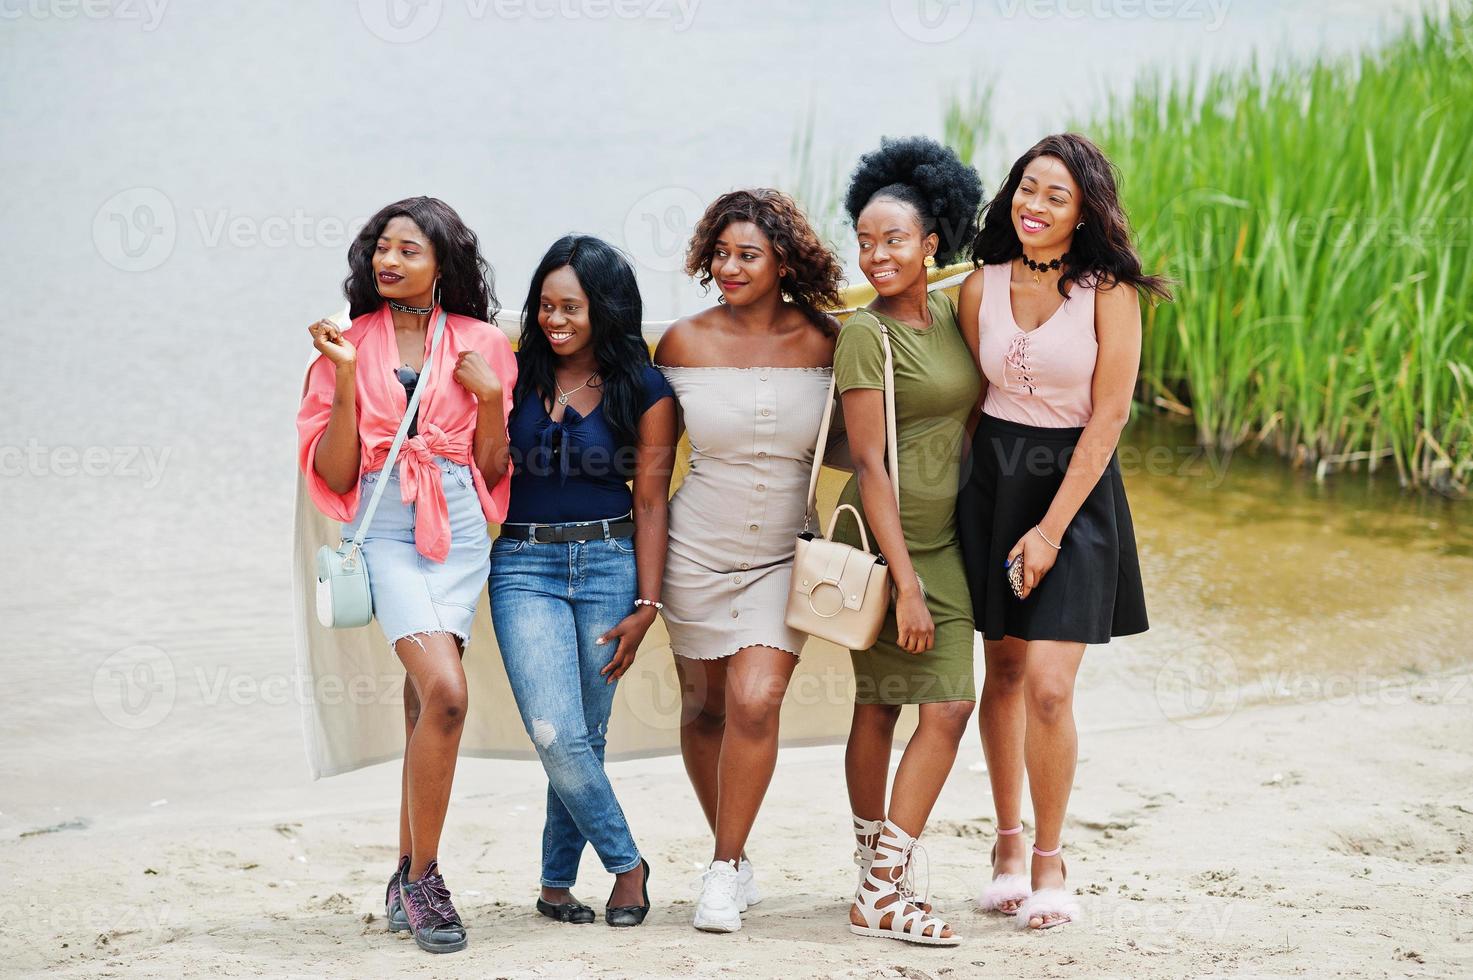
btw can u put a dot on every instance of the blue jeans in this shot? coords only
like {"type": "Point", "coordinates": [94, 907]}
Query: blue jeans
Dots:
{"type": "Point", "coordinates": [549, 603]}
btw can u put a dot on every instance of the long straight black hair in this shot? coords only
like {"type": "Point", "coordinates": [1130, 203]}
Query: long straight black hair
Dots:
{"type": "Point", "coordinates": [465, 279]}
{"type": "Point", "coordinates": [1101, 253]}
{"type": "Point", "coordinates": [615, 310]}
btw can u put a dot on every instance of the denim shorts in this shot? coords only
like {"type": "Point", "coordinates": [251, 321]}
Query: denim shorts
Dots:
{"type": "Point", "coordinates": [412, 593]}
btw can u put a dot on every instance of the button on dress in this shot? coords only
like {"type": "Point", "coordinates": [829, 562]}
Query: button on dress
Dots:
{"type": "Point", "coordinates": [735, 519]}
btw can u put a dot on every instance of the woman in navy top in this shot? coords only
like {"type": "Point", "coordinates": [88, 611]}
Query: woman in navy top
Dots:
{"type": "Point", "coordinates": [577, 570]}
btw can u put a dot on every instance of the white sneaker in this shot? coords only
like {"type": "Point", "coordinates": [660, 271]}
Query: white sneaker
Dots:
{"type": "Point", "coordinates": [750, 894]}
{"type": "Point", "coordinates": [719, 908]}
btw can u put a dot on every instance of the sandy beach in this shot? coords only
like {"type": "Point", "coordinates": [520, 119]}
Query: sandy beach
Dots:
{"type": "Point", "coordinates": [1275, 780]}
{"type": "Point", "coordinates": [1299, 837]}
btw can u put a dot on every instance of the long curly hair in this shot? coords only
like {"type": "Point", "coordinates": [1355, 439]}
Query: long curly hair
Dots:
{"type": "Point", "coordinates": [928, 177]}
{"type": "Point", "coordinates": [1101, 253]}
{"type": "Point", "coordinates": [615, 310]}
{"type": "Point", "coordinates": [466, 282]}
{"type": "Point", "coordinates": [813, 277]}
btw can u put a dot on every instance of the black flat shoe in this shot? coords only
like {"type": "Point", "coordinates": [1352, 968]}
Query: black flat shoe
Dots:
{"type": "Point", "coordinates": [575, 912]}
{"type": "Point", "coordinates": [631, 915]}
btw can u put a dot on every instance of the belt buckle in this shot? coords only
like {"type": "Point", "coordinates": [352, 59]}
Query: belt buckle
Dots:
{"type": "Point", "coordinates": [540, 540]}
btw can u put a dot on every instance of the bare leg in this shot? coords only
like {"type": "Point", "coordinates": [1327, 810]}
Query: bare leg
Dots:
{"type": "Point", "coordinates": [867, 758]}
{"type": "Point", "coordinates": [702, 727]}
{"type": "Point", "coordinates": [923, 769]}
{"type": "Point", "coordinates": [756, 680]}
{"type": "Point", "coordinates": [1051, 748]}
{"type": "Point", "coordinates": [1002, 720]}
{"type": "Point", "coordinates": [927, 762]}
{"type": "Point", "coordinates": [411, 716]}
{"type": "Point", "coordinates": [438, 680]}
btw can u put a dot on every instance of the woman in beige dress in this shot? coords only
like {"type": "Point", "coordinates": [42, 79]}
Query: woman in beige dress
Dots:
{"type": "Point", "coordinates": [751, 376]}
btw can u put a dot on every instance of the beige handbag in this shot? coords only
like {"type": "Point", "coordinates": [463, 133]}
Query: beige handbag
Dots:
{"type": "Point", "coordinates": [841, 593]}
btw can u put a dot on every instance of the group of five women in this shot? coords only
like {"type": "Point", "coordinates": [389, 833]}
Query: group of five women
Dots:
{"type": "Point", "coordinates": [1008, 407]}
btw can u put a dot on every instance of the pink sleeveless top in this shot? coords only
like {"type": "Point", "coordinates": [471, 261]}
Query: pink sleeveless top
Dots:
{"type": "Point", "coordinates": [1042, 377]}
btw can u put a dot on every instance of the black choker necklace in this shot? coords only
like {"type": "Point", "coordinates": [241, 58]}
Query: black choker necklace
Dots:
{"type": "Point", "coordinates": [1039, 268]}
{"type": "Point", "coordinates": [406, 308]}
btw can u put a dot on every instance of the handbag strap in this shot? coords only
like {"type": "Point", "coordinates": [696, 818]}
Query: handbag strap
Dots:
{"type": "Point", "coordinates": [892, 443]}
{"type": "Point", "coordinates": [409, 413]}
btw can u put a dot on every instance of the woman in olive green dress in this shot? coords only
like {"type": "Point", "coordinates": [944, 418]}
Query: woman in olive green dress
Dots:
{"type": "Point", "coordinates": [914, 204]}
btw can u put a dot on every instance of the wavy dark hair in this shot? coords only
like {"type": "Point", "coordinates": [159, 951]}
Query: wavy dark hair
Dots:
{"type": "Point", "coordinates": [812, 281]}
{"type": "Point", "coordinates": [1102, 253]}
{"type": "Point", "coordinates": [928, 177]}
{"type": "Point", "coordinates": [615, 310]}
{"type": "Point", "coordinates": [466, 285]}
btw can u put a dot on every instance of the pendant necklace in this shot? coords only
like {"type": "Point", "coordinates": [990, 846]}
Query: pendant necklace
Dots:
{"type": "Point", "coordinates": [563, 396]}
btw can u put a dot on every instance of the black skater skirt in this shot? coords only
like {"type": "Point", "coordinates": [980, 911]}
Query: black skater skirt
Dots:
{"type": "Point", "coordinates": [1093, 592]}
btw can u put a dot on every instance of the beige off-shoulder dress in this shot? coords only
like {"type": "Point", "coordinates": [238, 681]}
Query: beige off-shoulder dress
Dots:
{"type": "Point", "coordinates": [735, 519]}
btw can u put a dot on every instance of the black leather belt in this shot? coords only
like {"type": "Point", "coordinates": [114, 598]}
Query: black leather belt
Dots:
{"type": "Point", "coordinates": [620, 527]}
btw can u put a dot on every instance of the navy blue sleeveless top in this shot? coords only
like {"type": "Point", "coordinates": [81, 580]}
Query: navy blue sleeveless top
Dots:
{"type": "Point", "coordinates": [573, 470]}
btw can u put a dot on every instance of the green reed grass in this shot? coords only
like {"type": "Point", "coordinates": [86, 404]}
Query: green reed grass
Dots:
{"type": "Point", "coordinates": [1317, 219]}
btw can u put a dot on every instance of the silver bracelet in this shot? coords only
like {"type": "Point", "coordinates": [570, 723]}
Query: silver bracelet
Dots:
{"type": "Point", "coordinates": [650, 602]}
{"type": "Point", "coordinates": [1046, 540]}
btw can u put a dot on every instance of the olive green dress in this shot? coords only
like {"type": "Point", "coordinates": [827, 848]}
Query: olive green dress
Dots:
{"type": "Point", "coordinates": [936, 386]}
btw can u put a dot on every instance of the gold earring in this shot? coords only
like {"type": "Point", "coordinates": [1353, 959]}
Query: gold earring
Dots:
{"type": "Point", "coordinates": [930, 261]}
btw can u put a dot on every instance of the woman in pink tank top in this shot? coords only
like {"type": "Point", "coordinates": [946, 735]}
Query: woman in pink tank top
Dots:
{"type": "Point", "coordinates": [1053, 318]}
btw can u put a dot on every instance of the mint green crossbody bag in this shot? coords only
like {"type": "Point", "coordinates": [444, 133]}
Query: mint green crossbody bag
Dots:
{"type": "Point", "coordinates": [343, 597]}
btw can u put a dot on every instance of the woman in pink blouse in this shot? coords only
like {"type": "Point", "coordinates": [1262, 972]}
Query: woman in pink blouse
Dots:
{"type": "Point", "coordinates": [1052, 316]}
{"type": "Point", "coordinates": [427, 551]}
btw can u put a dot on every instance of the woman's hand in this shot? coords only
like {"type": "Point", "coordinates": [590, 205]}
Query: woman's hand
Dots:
{"type": "Point", "coordinates": [331, 344]}
{"type": "Point", "coordinates": [476, 376]}
{"type": "Point", "coordinates": [1038, 558]}
{"type": "Point", "coordinates": [630, 631]}
{"type": "Point", "coordinates": [915, 629]}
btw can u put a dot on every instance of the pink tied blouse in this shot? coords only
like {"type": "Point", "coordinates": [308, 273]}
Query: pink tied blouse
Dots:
{"type": "Point", "coordinates": [447, 422]}
{"type": "Point", "coordinates": [1044, 376]}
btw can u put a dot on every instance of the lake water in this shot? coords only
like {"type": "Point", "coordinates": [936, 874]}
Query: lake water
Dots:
{"type": "Point", "coordinates": [179, 184]}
